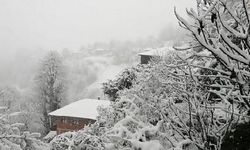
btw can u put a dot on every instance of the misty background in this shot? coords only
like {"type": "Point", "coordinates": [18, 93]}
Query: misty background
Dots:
{"type": "Point", "coordinates": [96, 38]}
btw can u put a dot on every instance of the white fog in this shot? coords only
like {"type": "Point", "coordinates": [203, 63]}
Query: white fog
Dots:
{"type": "Point", "coordinates": [31, 28]}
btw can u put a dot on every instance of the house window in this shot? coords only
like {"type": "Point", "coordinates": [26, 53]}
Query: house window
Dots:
{"type": "Point", "coordinates": [63, 120]}
{"type": "Point", "coordinates": [74, 121]}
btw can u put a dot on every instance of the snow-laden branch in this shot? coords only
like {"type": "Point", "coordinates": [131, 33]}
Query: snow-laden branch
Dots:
{"type": "Point", "coordinates": [246, 56]}
{"type": "Point", "coordinates": [201, 17]}
{"type": "Point", "coordinates": [246, 10]}
{"type": "Point", "coordinates": [230, 29]}
{"type": "Point", "coordinates": [216, 51]}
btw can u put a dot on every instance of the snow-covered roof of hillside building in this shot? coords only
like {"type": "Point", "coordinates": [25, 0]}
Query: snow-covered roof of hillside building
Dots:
{"type": "Point", "coordinates": [3, 107]}
{"type": "Point", "coordinates": [156, 51]}
{"type": "Point", "coordinates": [86, 108]}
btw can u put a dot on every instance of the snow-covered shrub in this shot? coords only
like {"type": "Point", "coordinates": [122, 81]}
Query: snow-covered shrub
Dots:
{"type": "Point", "coordinates": [123, 81]}
{"type": "Point", "coordinates": [83, 139]}
{"type": "Point", "coordinates": [141, 112]}
{"type": "Point", "coordinates": [14, 136]}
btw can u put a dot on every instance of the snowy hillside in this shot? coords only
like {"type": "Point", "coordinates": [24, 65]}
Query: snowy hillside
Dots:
{"type": "Point", "coordinates": [107, 73]}
{"type": "Point", "coordinates": [88, 70]}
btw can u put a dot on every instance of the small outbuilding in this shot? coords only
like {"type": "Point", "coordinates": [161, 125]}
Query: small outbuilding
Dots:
{"type": "Point", "coordinates": [76, 115]}
{"type": "Point", "coordinates": [148, 54]}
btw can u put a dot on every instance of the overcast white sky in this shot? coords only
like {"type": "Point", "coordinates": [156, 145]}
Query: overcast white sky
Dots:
{"type": "Point", "coordinates": [58, 24]}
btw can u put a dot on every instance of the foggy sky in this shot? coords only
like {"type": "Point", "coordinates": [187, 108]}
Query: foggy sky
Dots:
{"type": "Point", "coordinates": [58, 24]}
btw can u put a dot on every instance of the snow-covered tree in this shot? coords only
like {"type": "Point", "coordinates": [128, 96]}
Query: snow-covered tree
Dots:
{"type": "Point", "coordinates": [51, 85]}
{"type": "Point", "coordinates": [214, 76]}
{"type": "Point", "coordinates": [221, 28]}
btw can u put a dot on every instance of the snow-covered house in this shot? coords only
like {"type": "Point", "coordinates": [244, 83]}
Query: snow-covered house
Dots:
{"type": "Point", "coordinates": [148, 54]}
{"type": "Point", "coordinates": [3, 109]}
{"type": "Point", "coordinates": [76, 115]}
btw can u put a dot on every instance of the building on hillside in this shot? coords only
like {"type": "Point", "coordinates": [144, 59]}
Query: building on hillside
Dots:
{"type": "Point", "coordinates": [148, 54]}
{"type": "Point", "coordinates": [76, 115]}
{"type": "Point", "coordinates": [3, 109]}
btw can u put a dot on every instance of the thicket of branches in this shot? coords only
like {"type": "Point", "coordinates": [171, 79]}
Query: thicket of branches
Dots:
{"type": "Point", "coordinates": [214, 76]}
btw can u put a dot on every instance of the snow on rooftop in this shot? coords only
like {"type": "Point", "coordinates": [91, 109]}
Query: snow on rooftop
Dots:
{"type": "Point", "coordinates": [86, 108]}
{"type": "Point", "coordinates": [156, 51]}
{"type": "Point", "coordinates": [3, 107]}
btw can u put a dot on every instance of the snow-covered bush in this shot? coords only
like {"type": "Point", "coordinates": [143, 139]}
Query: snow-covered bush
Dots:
{"type": "Point", "coordinates": [14, 136]}
{"type": "Point", "coordinates": [123, 81]}
{"type": "Point", "coordinates": [83, 139]}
